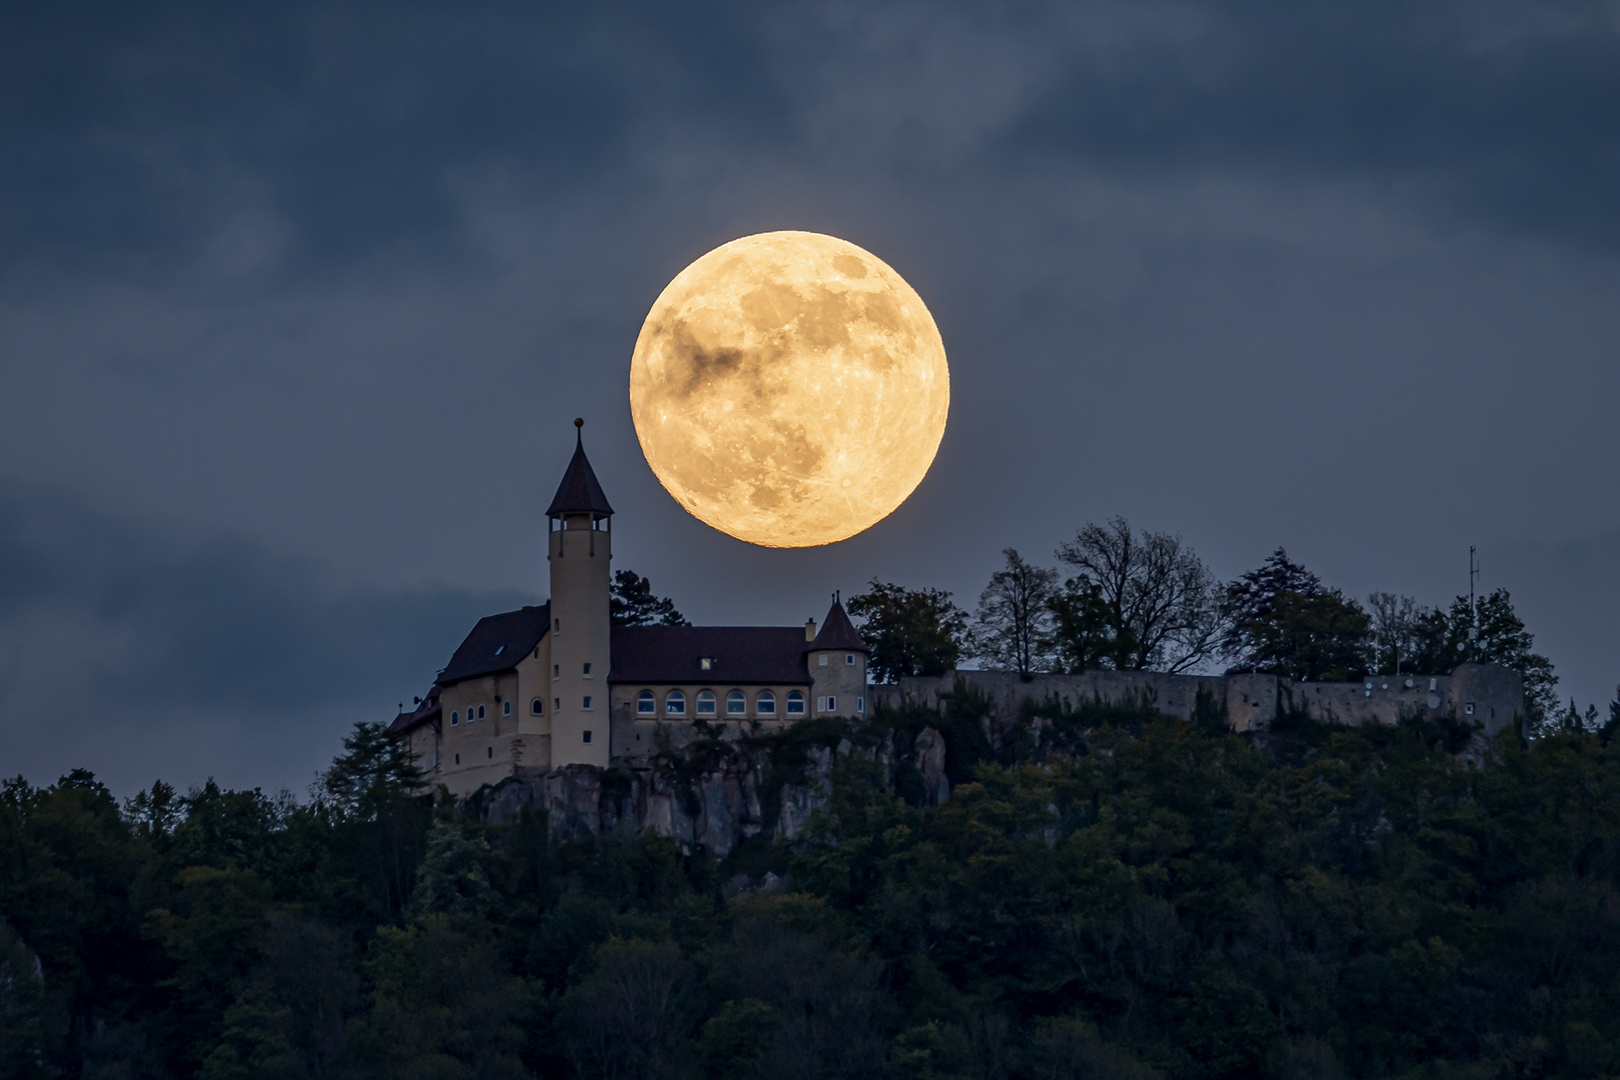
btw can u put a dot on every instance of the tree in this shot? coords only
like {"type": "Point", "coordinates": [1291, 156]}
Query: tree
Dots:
{"type": "Point", "coordinates": [631, 602]}
{"type": "Point", "coordinates": [1158, 604]}
{"type": "Point", "coordinates": [1284, 621]}
{"type": "Point", "coordinates": [1084, 637]}
{"type": "Point", "coordinates": [910, 631]}
{"type": "Point", "coordinates": [1395, 619]}
{"type": "Point", "coordinates": [630, 1015]}
{"type": "Point", "coordinates": [1013, 626]}
{"type": "Point", "coordinates": [1444, 639]}
{"type": "Point", "coordinates": [376, 791]}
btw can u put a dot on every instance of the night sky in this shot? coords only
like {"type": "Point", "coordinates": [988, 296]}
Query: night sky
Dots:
{"type": "Point", "coordinates": [297, 305]}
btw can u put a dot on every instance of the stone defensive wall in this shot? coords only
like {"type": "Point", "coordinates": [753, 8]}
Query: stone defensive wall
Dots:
{"type": "Point", "coordinates": [1488, 694]}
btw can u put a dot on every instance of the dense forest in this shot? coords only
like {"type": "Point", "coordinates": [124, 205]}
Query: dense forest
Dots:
{"type": "Point", "coordinates": [1133, 897]}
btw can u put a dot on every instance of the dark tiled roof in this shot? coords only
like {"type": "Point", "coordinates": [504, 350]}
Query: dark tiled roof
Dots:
{"type": "Point", "coordinates": [837, 633]}
{"type": "Point", "coordinates": [497, 643]}
{"type": "Point", "coordinates": [425, 712]}
{"type": "Point", "coordinates": [741, 654]}
{"type": "Point", "coordinates": [579, 492]}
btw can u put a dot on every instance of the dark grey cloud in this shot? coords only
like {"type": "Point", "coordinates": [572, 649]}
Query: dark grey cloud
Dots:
{"type": "Point", "coordinates": [131, 634]}
{"type": "Point", "coordinates": [333, 279]}
{"type": "Point", "coordinates": [1496, 115]}
{"type": "Point", "coordinates": [141, 133]}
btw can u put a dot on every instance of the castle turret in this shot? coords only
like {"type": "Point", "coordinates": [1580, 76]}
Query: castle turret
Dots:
{"type": "Point", "coordinates": [836, 657]}
{"type": "Point", "coordinates": [579, 540]}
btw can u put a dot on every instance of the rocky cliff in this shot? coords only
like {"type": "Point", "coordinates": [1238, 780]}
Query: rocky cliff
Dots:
{"type": "Point", "coordinates": [711, 792]}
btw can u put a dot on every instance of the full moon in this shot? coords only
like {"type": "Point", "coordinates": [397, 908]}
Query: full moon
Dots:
{"type": "Point", "coordinates": [789, 389]}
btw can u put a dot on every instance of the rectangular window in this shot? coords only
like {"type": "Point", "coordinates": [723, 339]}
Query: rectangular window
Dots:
{"type": "Point", "coordinates": [823, 660]}
{"type": "Point", "coordinates": [587, 669]}
{"type": "Point", "coordinates": [849, 658]}
{"type": "Point", "coordinates": [860, 705]}
{"type": "Point", "coordinates": [506, 708]}
{"type": "Point", "coordinates": [556, 671]}
{"type": "Point", "coordinates": [587, 734]}
{"type": "Point", "coordinates": [587, 702]}
{"type": "Point", "coordinates": [706, 663]}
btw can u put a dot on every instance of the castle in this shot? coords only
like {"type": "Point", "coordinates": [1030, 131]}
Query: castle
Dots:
{"type": "Point", "coordinates": [557, 684]}
{"type": "Point", "coordinates": [531, 691]}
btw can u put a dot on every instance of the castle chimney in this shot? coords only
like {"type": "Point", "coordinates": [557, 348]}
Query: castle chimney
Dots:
{"type": "Point", "coordinates": [809, 629]}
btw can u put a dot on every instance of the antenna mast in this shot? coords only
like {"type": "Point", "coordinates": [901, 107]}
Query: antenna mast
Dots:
{"type": "Point", "coordinates": [1473, 604]}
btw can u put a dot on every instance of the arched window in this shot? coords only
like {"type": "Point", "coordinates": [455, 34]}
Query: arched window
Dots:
{"type": "Point", "coordinates": [455, 717]}
{"type": "Point", "coordinates": [675, 703]}
{"type": "Point", "coordinates": [506, 708]}
{"type": "Point", "coordinates": [765, 704]}
{"type": "Point", "coordinates": [537, 707]}
{"type": "Point", "coordinates": [705, 703]}
{"type": "Point", "coordinates": [646, 704]}
{"type": "Point", "coordinates": [795, 704]}
{"type": "Point", "coordinates": [736, 704]}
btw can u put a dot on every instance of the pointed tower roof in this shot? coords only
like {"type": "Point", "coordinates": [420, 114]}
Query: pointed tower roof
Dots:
{"type": "Point", "coordinates": [837, 632]}
{"type": "Point", "coordinates": [579, 492]}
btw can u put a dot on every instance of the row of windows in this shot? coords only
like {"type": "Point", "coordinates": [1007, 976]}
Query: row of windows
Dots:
{"type": "Point", "coordinates": [476, 712]}
{"type": "Point", "coordinates": [705, 702]}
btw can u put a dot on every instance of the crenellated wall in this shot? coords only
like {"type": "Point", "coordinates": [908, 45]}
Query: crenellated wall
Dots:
{"type": "Point", "coordinates": [1486, 693]}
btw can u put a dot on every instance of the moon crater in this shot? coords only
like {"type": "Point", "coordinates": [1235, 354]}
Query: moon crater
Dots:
{"type": "Point", "coordinates": [789, 389]}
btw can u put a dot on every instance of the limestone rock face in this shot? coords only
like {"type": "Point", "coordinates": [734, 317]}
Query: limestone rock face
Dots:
{"type": "Point", "coordinates": [709, 798]}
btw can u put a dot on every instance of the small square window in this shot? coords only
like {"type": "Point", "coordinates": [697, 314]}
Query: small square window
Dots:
{"type": "Point", "coordinates": [849, 658]}
{"type": "Point", "coordinates": [587, 734]}
{"type": "Point", "coordinates": [706, 663]}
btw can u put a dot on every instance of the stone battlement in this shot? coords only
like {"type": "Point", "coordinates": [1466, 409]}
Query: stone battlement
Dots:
{"type": "Point", "coordinates": [1486, 693]}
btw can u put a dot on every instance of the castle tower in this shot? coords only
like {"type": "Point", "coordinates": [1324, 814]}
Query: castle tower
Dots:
{"type": "Point", "coordinates": [579, 543]}
{"type": "Point", "coordinates": [837, 660]}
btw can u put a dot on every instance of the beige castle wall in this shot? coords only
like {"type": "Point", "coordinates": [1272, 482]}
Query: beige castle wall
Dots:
{"type": "Point", "coordinates": [840, 680]}
{"type": "Point", "coordinates": [534, 681]}
{"type": "Point", "coordinates": [491, 749]}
